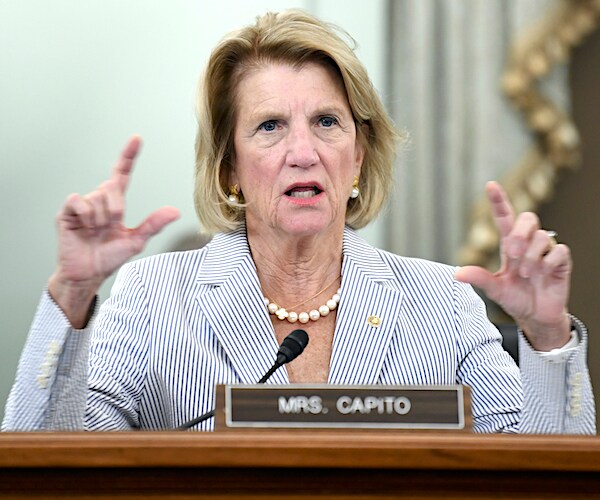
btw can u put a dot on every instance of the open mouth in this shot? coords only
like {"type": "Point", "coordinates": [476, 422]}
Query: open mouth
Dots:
{"type": "Point", "coordinates": [303, 191]}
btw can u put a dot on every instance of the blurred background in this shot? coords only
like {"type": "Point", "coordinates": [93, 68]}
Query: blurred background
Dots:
{"type": "Point", "coordinates": [484, 89]}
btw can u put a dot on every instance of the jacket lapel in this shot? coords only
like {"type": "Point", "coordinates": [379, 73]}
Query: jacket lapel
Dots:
{"type": "Point", "coordinates": [367, 316]}
{"type": "Point", "coordinates": [233, 306]}
{"type": "Point", "coordinates": [232, 302]}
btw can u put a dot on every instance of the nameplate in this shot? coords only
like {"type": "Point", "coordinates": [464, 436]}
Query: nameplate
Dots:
{"type": "Point", "coordinates": [335, 406]}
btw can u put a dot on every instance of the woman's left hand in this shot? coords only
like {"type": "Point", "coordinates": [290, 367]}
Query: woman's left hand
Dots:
{"type": "Point", "coordinates": [532, 284]}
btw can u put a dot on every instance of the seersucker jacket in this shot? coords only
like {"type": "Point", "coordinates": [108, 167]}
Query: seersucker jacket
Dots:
{"type": "Point", "coordinates": [178, 324]}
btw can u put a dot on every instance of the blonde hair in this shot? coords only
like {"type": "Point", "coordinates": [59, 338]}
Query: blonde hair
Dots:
{"type": "Point", "coordinates": [293, 37]}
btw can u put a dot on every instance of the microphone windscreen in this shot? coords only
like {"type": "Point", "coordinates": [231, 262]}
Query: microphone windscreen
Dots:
{"type": "Point", "coordinates": [292, 346]}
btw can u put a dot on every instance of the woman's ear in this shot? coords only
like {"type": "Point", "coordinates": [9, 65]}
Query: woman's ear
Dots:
{"type": "Point", "coordinates": [362, 133]}
{"type": "Point", "coordinates": [233, 179]}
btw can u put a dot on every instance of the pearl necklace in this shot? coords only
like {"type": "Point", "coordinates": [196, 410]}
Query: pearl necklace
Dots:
{"type": "Point", "coordinates": [304, 317]}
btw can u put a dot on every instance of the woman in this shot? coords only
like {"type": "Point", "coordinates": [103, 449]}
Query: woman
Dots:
{"type": "Point", "coordinates": [294, 150]}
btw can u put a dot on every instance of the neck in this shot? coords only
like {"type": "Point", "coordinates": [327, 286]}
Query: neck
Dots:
{"type": "Point", "coordinates": [294, 269]}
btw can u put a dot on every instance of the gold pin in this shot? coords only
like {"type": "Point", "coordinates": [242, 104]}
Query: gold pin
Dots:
{"type": "Point", "coordinates": [374, 321]}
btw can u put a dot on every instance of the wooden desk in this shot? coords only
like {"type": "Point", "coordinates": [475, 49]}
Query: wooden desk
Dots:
{"type": "Point", "coordinates": [297, 464]}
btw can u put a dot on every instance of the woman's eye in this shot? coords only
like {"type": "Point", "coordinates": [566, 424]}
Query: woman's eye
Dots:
{"type": "Point", "coordinates": [328, 121]}
{"type": "Point", "coordinates": [268, 126]}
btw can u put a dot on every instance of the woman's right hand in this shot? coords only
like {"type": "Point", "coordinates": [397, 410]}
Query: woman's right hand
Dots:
{"type": "Point", "coordinates": [93, 242]}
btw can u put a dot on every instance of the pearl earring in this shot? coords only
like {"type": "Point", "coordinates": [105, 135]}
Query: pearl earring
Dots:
{"type": "Point", "coordinates": [355, 190]}
{"type": "Point", "coordinates": [234, 194]}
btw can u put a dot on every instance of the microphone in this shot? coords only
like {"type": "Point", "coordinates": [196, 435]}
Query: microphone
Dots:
{"type": "Point", "coordinates": [291, 347]}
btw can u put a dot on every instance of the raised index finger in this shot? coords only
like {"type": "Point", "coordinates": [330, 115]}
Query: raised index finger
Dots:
{"type": "Point", "coordinates": [502, 210]}
{"type": "Point", "coordinates": [124, 165]}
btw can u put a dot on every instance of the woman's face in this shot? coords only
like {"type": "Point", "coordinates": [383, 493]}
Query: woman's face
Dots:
{"type": "Point", "coordinates": [296, 150]}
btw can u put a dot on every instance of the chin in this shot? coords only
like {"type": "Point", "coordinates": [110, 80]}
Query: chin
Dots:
{"type": "Point", "coordinates": [308, 226]}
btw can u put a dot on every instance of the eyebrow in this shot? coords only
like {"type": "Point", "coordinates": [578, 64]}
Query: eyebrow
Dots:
{"type": "Point", "coordinates": [268, 114]}
{"type": "Point", "coordinates": [333, 110]}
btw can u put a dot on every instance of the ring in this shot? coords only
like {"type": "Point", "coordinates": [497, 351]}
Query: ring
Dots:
{"type": "Point", "coordinates": [552, 235]}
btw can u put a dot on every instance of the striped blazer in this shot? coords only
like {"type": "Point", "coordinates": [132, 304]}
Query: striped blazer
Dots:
{"type": "Point", "coordinates": [177, 324]}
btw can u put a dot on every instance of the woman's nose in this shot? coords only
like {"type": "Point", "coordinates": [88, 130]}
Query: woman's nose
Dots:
{"type": "Point", "coordinates": [302, 147]}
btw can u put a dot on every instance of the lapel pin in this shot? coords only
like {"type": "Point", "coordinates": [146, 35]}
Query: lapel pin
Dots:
{"type": "Point", "coordinates": [374, 321]}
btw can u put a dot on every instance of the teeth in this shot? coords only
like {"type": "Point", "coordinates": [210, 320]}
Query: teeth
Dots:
{"type": "Point", "coordinates": [303, 194]}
